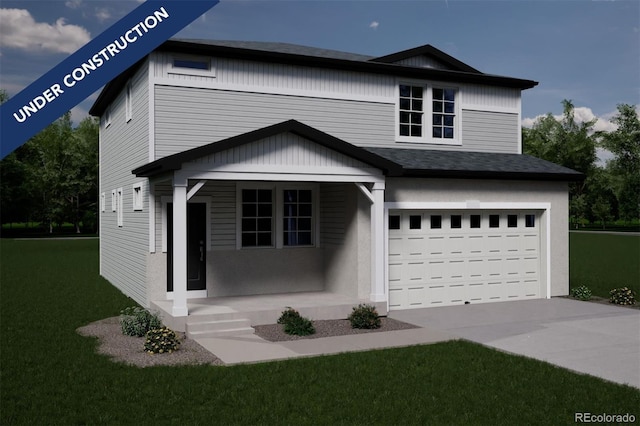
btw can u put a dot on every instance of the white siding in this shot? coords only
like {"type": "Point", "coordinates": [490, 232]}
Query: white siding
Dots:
{"type": "Point", "coordinates": [491, 98]}
{"type": "Point", "coordinates": [223, 215]}
{"type": "Point", "coordinates": [124, 146]}
{"type": "Point", "coordinates": [285, 149]}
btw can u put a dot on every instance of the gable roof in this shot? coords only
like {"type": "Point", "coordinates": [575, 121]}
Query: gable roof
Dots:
{"type": "Point", "coordinates": [175, 161]}
{"type": "Point", "coordinates": [480, 165]}
{"type": "Point", "coordinates": [292, 54]}
{"type": "Point", "coordinates": [427, 50]}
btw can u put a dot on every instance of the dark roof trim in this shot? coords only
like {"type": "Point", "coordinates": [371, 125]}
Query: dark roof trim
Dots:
{"type": "Point", "coordinates": [499, 175]}
{"type": "Point", "coordinates": [174, 162]}
{"type": "Point", "coordinates": [427, 50]}
{"type": "Point", "coordinates": [321, 58]}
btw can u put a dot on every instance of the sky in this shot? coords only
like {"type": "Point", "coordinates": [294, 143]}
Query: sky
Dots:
{"type": "Point", "coordinates": [582, 50]}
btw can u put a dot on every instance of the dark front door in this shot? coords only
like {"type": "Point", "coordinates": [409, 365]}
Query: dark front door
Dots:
{"type": "Point", "coordinates": [196, 250]}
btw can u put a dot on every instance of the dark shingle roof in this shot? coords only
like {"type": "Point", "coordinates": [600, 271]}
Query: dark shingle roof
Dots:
{"type": "Point", "coordinates": [275, 47]}
{"type": "Point", "coordinates": [464, 164]}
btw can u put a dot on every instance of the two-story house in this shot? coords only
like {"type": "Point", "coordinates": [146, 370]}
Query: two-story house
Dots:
{"type": "Point", "coordinates": [250, 168]}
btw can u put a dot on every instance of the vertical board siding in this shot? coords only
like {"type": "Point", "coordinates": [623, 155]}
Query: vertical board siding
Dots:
{"type": "Point", "coordinates": [490, 131]}
{"type": "Point", "coordinates": [285, 149]}
{"type": "Point", "coordinates": [332, 214]}
{"type": "Point", "coordinates": [124, 146]}
{"type": "Point", "coordinates": [189, 117]}
{"type": "Point", "coordinates": [487, 97]}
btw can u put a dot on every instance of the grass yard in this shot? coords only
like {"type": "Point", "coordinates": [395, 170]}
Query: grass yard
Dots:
{"type": "Point", "coordinates": [51, 375]}
{"type": "Point", "coordinates": [603, 262]}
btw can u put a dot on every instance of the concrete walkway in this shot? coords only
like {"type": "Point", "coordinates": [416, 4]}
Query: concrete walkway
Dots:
{"type": "Point", "coordinates": [251, 348]}
{"type": "Point", "coordinates": [597, 339]}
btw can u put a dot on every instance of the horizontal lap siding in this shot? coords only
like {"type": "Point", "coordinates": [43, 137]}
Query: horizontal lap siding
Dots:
{"type": "Point", "coordinates": [484, 131]}
{"type": "Point", "coordinates": [189, 117]}
{"type": "Point", "coordinates": [124, 146]}
{"type": "Point", "coordinates": [332, 214]}
{"type": "Point", "coordinates": [223, 215]}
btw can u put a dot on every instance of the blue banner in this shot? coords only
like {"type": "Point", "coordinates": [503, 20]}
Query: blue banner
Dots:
{"type": "Point", "coordinates": [92, 66]}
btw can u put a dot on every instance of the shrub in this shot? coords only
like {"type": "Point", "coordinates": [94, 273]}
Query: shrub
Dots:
{"type": "Point", "coordinates": [622, 296]}
{"type": "Point", "coordinates": [295, 324]}
{"type": "Point", "coordinates": [581, 293]}
{"type": "Point", "coordinates": [161, 340]}
{"type": "Point", "coordinates": [136, 321]}
{"type": "Point", "coordinates": [288, 314]}
{"type": "Point", "coordinates": [299, 326]}
{"type": "Point", "coordinates": [364, 316]}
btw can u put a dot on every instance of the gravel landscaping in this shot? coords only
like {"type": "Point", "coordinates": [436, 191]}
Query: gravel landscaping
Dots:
{"type": "Point", "coordinates": [128, 350]}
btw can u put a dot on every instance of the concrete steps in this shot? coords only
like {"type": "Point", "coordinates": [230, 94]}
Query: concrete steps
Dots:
{"type": "Point", "coordinates": [198, 327]}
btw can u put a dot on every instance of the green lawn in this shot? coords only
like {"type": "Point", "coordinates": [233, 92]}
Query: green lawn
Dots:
{"type": "Point", "coordinates": [603, 262]}
{"type": "Point", "coordinates": [51, 375]}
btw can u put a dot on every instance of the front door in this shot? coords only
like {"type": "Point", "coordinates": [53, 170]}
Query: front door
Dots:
{"type": "Point", "coordinates": [196, 250]}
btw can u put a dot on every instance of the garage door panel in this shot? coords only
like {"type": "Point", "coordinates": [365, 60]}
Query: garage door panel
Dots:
{"type": "Point", "coordinates": [456, 265]}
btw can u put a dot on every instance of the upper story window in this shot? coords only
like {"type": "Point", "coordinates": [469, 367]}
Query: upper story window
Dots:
{"type": "Point", "coordinates": [427, 114]}
{"type": "Point", "coordinates": [137, 196]}
{"type": "Point", "coordinates": [191, 65]}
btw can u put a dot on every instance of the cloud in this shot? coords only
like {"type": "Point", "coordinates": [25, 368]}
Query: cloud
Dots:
{"type": "Point", "coordinates": [103, 14]}
{"type": "Point", "coordinates": [73, 4]}
{"type": "Point", "coordinates": [582, 115]}
{"type": "Point", "coordinates": [20, 31]}
{"type": "Point", "coordinates": [374, 25]}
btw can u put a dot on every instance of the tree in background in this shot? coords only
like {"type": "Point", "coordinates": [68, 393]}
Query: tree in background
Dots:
{"type": "Point", "coordinates": [624, 169]}
{"type": "Point", "coordinates": [52, 179]}
{"type": "Point", "coordinates": [568, 143]}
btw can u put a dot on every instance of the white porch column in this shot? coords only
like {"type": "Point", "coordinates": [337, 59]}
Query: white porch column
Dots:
{"type": "Point", "coordinates": [180, 248]}
{"type": "Point", "coordinates": [378, 291]}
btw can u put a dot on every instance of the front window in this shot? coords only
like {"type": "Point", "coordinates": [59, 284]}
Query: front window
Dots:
{"type": "Point", "coordinates": [444, 113]}
{"type": "Point", "coordinates": [297, 217]}
{"type": "Point", "coordinates": [427, 114]}
{"type": "Point", "coordinates": [257, 217]}
{"type": "Point", "coordinates": [411, 113]}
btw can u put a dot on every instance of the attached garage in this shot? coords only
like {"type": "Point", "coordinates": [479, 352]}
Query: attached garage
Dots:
{"type": "Point", "coordinates": [451, 257]}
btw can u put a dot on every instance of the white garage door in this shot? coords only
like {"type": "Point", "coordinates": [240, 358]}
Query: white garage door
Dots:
{"type": "Point", "coordinates": [440, 258]}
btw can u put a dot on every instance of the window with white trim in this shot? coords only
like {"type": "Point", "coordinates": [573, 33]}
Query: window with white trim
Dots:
{"type": "Point", "coordinates": [103, 202]}
{"type": "Point", "coordinates": [427, 114]}
{"type": "Point", "coordinates": [257, 218]}
{"type": "Point", "coordinates": [114, 200]}
{"type": "Point", "coordinates": [128, 102]}
{"type": "Point", "coordinates": [120, 207]}
{"type": "Point", "coordinates": [192, 65]}
{"type": "Point", "coordinates": [137, 196]}
{"type": "Point", "coordinates": [277, 216]}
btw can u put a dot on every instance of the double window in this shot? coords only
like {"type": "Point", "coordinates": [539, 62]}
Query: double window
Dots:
{"type": "Point", "coordinates": [277, 217]}
{"type": "Point", "coordinates": [427, 114]}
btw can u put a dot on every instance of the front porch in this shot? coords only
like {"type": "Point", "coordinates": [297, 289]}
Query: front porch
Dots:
{"type": "Point", "coordinates": [245, 311]}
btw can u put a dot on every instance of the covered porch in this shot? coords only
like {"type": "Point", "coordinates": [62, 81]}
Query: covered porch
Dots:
{"type": "Point", "coordinates": [256, 262]}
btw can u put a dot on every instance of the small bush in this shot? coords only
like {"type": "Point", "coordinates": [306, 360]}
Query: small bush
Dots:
{"type": "Point", "coordinates": [136, 321]}
{"type": "Point", "coordinates": [581, 293]}
{"type": "Point", "coordinates": [295, 324]}
{"type": "Point", "coordinates": [161, 340]}
{"type": "Point", "coordinates": [299, 326]}
{"type": "Point", "coordinates": [288, 314]}
{"type": "Point", "coordinates": [364, 316]}
{"type": "Point", "coordinates": [622, 296]}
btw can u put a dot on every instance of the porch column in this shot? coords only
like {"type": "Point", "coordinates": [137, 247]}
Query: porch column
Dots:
{"type": "Point", "coordinates": [180, 248]}
{"type": "Point", "coordinates": [378, 291]}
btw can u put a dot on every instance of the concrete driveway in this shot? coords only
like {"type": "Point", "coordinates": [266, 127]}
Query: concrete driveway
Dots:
{"type": "Point", "coordinates": [597, 339]}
